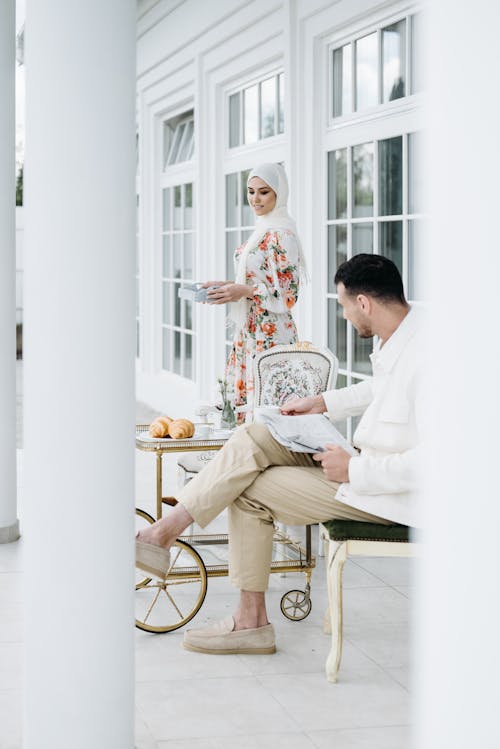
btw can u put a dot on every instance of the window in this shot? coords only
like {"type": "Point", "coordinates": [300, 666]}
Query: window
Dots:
{"type": "Point", "coordinates": [178, 135]}
{"type": "Point", "coordinates": [257, 111]}
{"type": "Point", "coordinates": [374, 205]}
{"type": "Point", "coordinates": [239, 216]}
{"type": "Point", "coordinates": [177, 270]}
{"type": "Point", "coordinates": [375, 69]}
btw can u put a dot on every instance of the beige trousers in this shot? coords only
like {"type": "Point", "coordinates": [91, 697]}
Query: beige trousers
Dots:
{"type": "Point", "coordinates": [261, 482]}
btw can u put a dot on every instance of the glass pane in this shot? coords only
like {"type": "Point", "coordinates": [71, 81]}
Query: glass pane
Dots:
{"type": "Point", "coordinates": [251, 114]}
{"type": "Point", "coordinates": [167, 303]}
{"type": "Point", "coordinates": [177, 352]}
{"type": "Point", "coordinates": [185, 146]}
{"type": "Point", "coordinates": [177, 304]}
{"type": "Point", "coordinates": [342, 80]}
{"type": "Point", "coordinates": [232, 217]}
{"type": "Point", "coordinates": [366, 72]}
{"type": "Point", "coordinates": [245, 235]}
{"type": "Point", "coordinates": [362, 348]}
{"type": "Point", "coordinates": [188, 256]}
{"type": "Point", "coordinates": [175, 144]}
{"type": "Point", "coordinates": [167, 256]}
{"type": "Point", "coordinates": [341, 383]}
{"type": "Point", "coordinates": [232, 242]}
{"type": "Point", "coordinates": [188, 356]}
{"type": "Point", "coordinates": [362, 166]}
{"type": "Point", "coordinates": [167, 201]}
{"type": "Point", "coordinates": [137, 298]}
{"type": "Point", "coordinates": [391, 242]}
{"type": "Point", "coordinates": [337, 251]}
{"type": "Point", "coordinates": [362, 238]}
{"type": "Point", "coordinates": [166, 352]}
{"type": "Point", "coordinates": [337, 184]}
{"type": "Point", "coordinates": [177, 207]}
{"type": "Point", "coordinates": [417, 55]}
{"type": "Point", "coordinates": [177, 242]}
{"type": "Point", "coordinates": [390, 155]}
{"type": "Point", "coordinates": [281, 103]}
{"type": "Point", "coordinates": [234, 120]}
{"type": "Point", "coordinates": [188, 206]}
{"type": "Point", "coordinates": [394, 60]}
{"type": "Point", "coordinates": [188, 315]}
{"type": "Point", "coordinates": [415, 173]}
{"type": "Point", "coordinates": [247, 218]}
{"type": "Point", "coordinates": [167, 140]}
{"type": "Point", "coordinates": [267, 107]}
{"type": "Point", "coordinates": [415, 260]}
{"type": "Point", "coordinates": [337, 332]}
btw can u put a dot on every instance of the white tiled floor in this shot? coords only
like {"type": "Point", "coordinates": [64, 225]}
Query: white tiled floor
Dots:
{"type": "Point", "coordinates": [187, 700]}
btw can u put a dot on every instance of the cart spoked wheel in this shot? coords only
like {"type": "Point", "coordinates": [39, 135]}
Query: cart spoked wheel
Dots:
{"type": "Point", "coordinates": [296, 604]}
{"type": "Point", "coordinates": [165, 605]}
{"type": "Point", "coordinates": [142, 520]}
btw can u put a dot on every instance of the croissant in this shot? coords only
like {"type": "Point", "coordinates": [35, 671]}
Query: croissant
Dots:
{"type": "Point", "coordinates": [159, 427]}
{"type": "Point", "coordinates": [180, 429]}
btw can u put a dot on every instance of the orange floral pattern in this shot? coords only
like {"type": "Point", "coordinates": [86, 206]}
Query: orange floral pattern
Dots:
{"type": "Point", "coordinates": [273, 268]}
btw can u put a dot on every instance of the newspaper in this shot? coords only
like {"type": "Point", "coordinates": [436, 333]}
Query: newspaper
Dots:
{"type": "Point", "coordinates": [302, 434]}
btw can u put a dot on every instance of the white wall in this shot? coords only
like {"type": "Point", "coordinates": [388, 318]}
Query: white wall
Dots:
{"type": "Point", "coordinates": [189, 54]}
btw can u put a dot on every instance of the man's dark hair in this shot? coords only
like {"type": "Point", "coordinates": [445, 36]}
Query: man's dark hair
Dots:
{"type": "Point", "coordinates": [373, 275]}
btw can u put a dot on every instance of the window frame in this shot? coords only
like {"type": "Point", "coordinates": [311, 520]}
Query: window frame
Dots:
{"type": "Point", "coordinates": [386, 120]}
{"type": "Point", "coordinates": [381, 109]}
{"type": "Point", "coordinates": [267, 72]}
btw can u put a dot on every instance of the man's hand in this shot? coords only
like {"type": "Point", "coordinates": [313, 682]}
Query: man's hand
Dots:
{"type": "Point", "coordinates": [335, 463]}
{"type": "Point", "coordinates": [313, 404]}
{"type": "Point", "coordinates": [229, 292]}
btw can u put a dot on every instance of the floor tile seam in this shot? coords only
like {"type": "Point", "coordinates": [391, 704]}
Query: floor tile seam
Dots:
{"type": "Point", "coordinates": [366, 655]}
{"type": "Point", "coordinates": [379, 666]}
{"type": "Point", "coordinates": [201, 677]}
{"type": "Point", "coordinates": [145, 722]}
{"type": "Point", "coordinates": [394, 587]}
{"type": "Point", "coordinates": [356, 728]}
{"type": "Point", "coordinates": [290, 715]}
{"type": "Point", "coordinates": [397, 681]}
{"type": "Point", "coordinates": [369, 572]}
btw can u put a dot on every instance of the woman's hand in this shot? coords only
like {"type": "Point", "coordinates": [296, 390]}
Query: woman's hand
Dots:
{"type": "Point", "coordinates": [313, 404]}
{"type": "Point", "coordinates": [229, 292]}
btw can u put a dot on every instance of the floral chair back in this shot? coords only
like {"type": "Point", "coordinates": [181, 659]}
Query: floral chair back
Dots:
{"type": "Point", "coordinates": [282, 373]}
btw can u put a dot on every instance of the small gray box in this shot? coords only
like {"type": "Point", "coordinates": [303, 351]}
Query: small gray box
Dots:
{"type": "Point", "coordinates": [194, 292]}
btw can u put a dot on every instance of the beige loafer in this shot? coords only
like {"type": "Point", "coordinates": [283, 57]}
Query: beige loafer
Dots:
{"type": "Point", "coordinates": [223, 639]}
{"type": "Point", "coordinates": [152, 559]}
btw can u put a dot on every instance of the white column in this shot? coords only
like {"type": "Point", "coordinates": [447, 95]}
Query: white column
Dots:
{"type": "Point", "coordinates": [79, 373]}
{"type": "Point", "coordinates": [459, 614]}
{"type": "Point", "coordinates": [9, 525]}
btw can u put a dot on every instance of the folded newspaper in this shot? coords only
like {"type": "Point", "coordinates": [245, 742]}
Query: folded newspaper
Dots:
{"type": "Point", "coordinates": [302, 434]}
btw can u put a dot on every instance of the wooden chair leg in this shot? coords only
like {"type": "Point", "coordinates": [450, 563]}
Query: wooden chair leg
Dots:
{"type": "Point", "coordinates": [337, 554]}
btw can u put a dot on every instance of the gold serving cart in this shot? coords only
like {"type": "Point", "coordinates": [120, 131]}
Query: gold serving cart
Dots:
{"type": "Point", "coordinates": [166, 605]}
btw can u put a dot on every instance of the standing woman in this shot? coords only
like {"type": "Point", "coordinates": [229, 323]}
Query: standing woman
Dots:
{"type": "Point", "coordinates": [268, 269]}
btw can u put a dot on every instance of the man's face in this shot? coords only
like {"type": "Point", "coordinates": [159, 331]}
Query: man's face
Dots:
{"type": "Point", "coordinates": [356, 310]}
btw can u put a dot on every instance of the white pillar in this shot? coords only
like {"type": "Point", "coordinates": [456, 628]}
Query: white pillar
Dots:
{"type": "Point", "coordinates": [458, 654]}
{"type": "Point", "coordinates": [79, 373]}
{"type": "Point", "coordinates": [9, 525]}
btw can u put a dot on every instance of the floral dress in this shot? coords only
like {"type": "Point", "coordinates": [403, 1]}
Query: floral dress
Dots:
{"type": "Point", "coordinates": [273, 269]}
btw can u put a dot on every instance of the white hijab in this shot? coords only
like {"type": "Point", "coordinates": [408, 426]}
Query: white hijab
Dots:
{"type": "Point", "coordinates": [275, 176]}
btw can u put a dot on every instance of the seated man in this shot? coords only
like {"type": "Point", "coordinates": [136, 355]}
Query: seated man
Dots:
{"type": "Point", "coordinates": [261, 482]}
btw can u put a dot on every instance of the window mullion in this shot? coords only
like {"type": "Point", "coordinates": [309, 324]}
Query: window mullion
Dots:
{"type": "Point", "coordinates": [380, 71]}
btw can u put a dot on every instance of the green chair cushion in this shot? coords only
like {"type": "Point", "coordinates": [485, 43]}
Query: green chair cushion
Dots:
{"type": "Point", "coordinates": [343, 530]}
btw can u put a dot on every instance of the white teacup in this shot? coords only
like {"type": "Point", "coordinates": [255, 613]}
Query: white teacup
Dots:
{"type": "Point", "coordinates": [202, 431]}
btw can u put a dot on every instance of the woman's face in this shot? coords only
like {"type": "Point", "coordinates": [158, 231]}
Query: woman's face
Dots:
{"type": "Point", "coordinates": [261, 197]}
